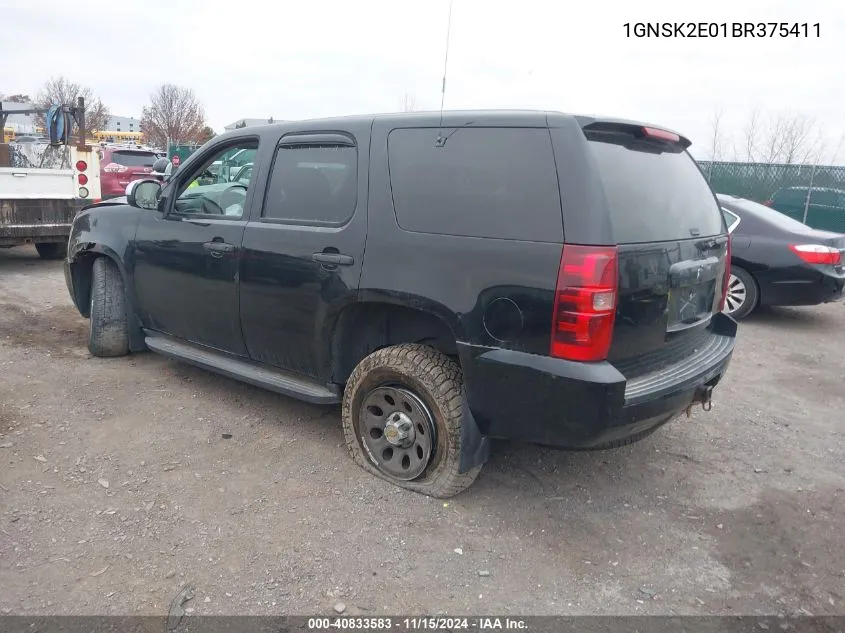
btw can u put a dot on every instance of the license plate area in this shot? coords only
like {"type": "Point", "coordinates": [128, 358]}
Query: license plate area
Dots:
{"type": "Point", "coordinates": [692, 292]}
{"type": "Point", "coordinates": [690, 305]}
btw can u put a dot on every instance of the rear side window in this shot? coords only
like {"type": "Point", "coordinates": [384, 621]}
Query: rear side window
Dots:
{"type": "Point", "coordinates": [313, 184]}
{"type": "Point", "coordinates": [655, 196]}
{"type": "Point", "coordinates": [483, 182]}
{"type": "Point", "coordinates": [134, 159]}
{"type": "Point", "coordinates": [731, 220]}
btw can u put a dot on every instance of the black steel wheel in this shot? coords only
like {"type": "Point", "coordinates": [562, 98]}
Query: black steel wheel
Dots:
{"type": "Point", "coordinates": [401, 414]}
{"type": "Point", "coordinates": [397, 431]}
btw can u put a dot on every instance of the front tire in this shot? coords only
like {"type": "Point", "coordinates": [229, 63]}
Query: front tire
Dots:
{"type": "Point", "coordinates": [108, 333]}
{"type": "Point", "coordinates": [51, 250]}
{"type": "Point", "coordinates": [402, 419]}
{"type": "Point", "coordinates": [743, 294]}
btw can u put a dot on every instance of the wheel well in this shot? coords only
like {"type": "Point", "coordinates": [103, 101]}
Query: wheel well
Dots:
{"type": "Point", "coordinates": [82, 272]}
{"type": "Point", "coordinates": [364, 328]}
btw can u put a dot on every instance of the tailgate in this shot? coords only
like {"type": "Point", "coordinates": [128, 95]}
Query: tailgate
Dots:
{"type": "Point", "coordinates": [23, 219]}
{"type": "Point", "coordinates": [671, 243]}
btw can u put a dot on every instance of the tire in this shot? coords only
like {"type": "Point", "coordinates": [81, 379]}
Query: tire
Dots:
{"type": "Point", "coordinates": [51, 250]}
{"type": "Point", "coordinates": [427, 382]}
{"type": "Point", "coordinates": [740, 304]}
{"type": "Point", "coordinates": [108, 333]}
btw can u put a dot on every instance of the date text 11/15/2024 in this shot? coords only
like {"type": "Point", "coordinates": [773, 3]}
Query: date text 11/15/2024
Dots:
{"type": "Point", "coordinates": [722, 29]}
{"type": "Point", "coordinates": [406, 625]}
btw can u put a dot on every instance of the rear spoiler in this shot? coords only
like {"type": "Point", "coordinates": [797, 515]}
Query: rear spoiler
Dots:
{"type": "Point", "coordinates": [636, 130]}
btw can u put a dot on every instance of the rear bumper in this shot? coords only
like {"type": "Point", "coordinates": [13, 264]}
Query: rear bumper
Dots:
{"type": "Point", "coordinates": [808, 291]}
{"type": "Point", "coordinates": [23, 221]}
{"type": "Point", "coordinates": [543, 400]}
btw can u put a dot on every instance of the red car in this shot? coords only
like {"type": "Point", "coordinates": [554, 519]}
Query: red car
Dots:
{"type": "Point", "coordinates": [120, 166]}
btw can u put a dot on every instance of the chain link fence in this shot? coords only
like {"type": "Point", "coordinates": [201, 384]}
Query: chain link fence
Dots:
{"type": "Point", "coordinates": [758, 181]}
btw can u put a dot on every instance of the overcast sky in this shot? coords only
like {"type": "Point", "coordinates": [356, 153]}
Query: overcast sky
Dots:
{"type": "Point", "coordinates": [293, 60]}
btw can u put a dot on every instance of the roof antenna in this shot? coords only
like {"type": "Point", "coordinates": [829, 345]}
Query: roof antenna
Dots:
{"type": "Point", "coordinates": [441, 141]}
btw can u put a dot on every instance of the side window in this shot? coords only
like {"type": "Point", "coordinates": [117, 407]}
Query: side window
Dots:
{"type": "Point", "coordinates": [483, 182]}
{"type": "Point", "coordinates": [209, 188]}
{"type": "Point", "coordinates": [313, 184]}
{"type": "Point", "coordinates": [823, 198]}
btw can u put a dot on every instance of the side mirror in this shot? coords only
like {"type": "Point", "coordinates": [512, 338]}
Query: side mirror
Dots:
{"type": "Point", "coordinates": [144, 194]}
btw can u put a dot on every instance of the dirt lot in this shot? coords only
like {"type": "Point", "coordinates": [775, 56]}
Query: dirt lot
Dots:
{"type": "Point", "coordinates": [122, 480]}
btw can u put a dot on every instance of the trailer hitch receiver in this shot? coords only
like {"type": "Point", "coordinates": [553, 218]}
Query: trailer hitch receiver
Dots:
{"type": "Point", "coordinates": [703, 397]}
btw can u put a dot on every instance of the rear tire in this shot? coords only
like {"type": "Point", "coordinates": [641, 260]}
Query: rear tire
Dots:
{"type": "Point", "coordinates": [108, 333]}
{"type": "Point", "coordinates": [743, 293]}
{"type": "Point", "coordinates": [427, 387]}
{"type": "Point", "coordinates": [51, 250]}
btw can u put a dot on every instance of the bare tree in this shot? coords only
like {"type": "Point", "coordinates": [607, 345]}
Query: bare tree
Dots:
{"type": "Point", "coordinates": [174, 115]}
{"type": "Point", "coordinates": [718, 136]}
{"type": "Point", "coordinates": [409, 102]}
{"type": "Point", "coordinates": [207, 134]}
{"type": "Point", "coordinates": [780, 138]}
{"type": "Point", "coordinates": [62, 91]}
{"type": "Point", "coordinates": [751, 131]}
{"type": "Point", "coordinates": [17, 98]}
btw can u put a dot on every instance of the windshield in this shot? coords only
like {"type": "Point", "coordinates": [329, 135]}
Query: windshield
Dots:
{"type": "Point", "coordinates": [655, 196]}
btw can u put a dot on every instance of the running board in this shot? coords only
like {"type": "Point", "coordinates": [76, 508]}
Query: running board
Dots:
{"type": "Point", "coordinates": [272, 379]}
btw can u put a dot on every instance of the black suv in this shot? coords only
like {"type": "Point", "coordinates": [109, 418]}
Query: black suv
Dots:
{"type": "Point", "coordinates": [449, 278]}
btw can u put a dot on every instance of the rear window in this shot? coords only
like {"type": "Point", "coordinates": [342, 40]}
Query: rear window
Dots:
{"type": "Point", "coordinates": [134, 159]}
{"type": "Point", "coordinates": [483, 182]}
{"type": "Point", "coordinates": [655, 197]}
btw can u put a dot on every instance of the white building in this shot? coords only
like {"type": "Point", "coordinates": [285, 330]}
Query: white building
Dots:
{"type": "Point", "coordinates": [123, 124]}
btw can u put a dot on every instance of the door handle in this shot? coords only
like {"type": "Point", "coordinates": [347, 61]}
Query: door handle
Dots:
{"type": "Point", "coordinates": [333, 259]}
{"type": "Point", "coordinates": [217, 248]}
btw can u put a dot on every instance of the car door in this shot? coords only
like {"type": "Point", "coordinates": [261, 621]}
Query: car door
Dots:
{"type": "Point", "coordinates": [187, 254]}
{"type": "Point", "coordinates": [303, 248]}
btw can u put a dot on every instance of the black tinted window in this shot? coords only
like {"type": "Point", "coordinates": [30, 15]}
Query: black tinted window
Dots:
{"type": "Point", "coordinates": [313, 184]}
{"type": "Point", "coordinates": [655, 197]}
{"type": "Point", "coordinates": [134, 159]}
{"type": "Point", "coordinates": [484, 182]}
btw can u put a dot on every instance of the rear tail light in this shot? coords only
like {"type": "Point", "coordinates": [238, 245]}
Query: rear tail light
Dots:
{"type": "Point", "coordinates": [585, 303]}
{"type": "Point", "coordinates": [817, 254]}
{"type": "Point", "coordinates": [661, 135]}
{"type": "Point", "coordinates": [81, 165]}
{"type": "Point", "coordinates": [114, 168]}
{"type": "Point", "coordinates": [83, 179]}
{"type": "Point", "coordinates": [83, 192]}
{"type": "Point", "coordinates": [727, 280]}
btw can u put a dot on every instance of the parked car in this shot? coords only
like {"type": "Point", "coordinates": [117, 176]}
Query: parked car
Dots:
{"type": "Point", "coordinates": [777, 261]}
{"type": "Point", "coordinates": [120, 166]}
{"type": "Point", "coordinates": [485, 304]}
{"type": "Point", "coordinates": [826, 210]}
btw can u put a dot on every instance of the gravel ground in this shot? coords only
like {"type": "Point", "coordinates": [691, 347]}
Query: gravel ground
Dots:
{"type": "Point", "coordinates": [122, 481]}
